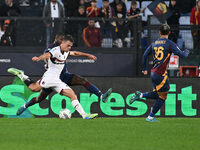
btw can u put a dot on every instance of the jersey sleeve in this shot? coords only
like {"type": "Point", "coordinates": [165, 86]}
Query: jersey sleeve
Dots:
{"type": "Point", "coordinates": [53, 52]}
{"type": "Point", "coordinates": [177, 51]}
{"type": "Point", "coordinates": [144, 59]}
{"type": "Point", "coordinates": [47, 50]}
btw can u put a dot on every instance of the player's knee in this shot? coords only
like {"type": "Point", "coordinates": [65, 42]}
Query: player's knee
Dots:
{"type": "Point", "coordinates": [79, 80]}
{"type": "Point", "coordinates": [162, 95]}
{"type": "Point", "coordinates": [83, 81]}
{"type": "Point", "coordinates": [72, 96]}
{"type": "Point", "coordinates": [34, 87]}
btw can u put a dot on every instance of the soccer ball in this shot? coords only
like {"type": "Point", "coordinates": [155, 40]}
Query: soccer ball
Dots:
{"type": "Point", "coordinates": [65, 114]}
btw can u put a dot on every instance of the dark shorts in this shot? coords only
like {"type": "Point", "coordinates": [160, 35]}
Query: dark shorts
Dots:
{"type": "Point", "coordinates": [160, 85]}
{"type": "Point", "coordinates": [66, 77]}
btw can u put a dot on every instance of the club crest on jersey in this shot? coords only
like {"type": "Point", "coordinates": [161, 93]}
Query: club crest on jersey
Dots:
{"type": "Point", "coordinates": [43, 82]}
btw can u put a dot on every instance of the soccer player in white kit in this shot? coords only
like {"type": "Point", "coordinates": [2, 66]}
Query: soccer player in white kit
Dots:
{"type": "Point", "coordinates": [51, 78]}
{"type": "Point", "coordinates": [68, 78]}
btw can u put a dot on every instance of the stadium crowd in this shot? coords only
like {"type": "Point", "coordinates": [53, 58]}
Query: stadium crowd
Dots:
{"type": "Point", "coordinates": [92, 32]}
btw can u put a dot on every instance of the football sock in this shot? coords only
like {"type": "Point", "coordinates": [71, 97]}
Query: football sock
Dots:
{"type": "Point", "coordinates": [151, 114]}
{"type": "Point", "coordinates": [78, 107]}
{"type": "Point", "coordinates": [151, 95]}
{"type": "Point", "coordinates": [23, 77]}
{"type": "Point", "coordinates": [28, 81]}
{"type": "Point", "coordinates": [156, 107]}
{"type": "Point", "coordinates": [31, 102]}
{"type": "Point", "coordinates": [93, 89]}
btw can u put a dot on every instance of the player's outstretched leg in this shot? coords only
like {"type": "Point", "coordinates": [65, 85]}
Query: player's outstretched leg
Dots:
{"type": "Point", "coordinates": [21, 75]}
{"type": "Point", "coordinates": [104, 97]}
{"type": "Point", "coordinates": [16, 72]}
{"type": "Point", "coordinates": [135, 97]}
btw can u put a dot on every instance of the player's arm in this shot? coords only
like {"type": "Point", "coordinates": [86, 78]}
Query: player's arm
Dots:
{"type": "Point", "coordinates": [42, 57]}
{"type": "Point", "coordinates": [46, 60]}
{"type": "Point", "coordinates": [46, 51]}
{"type": "Point", "coordinates": [177, 51]}
{"type": "Point", "coordinates": [77, 53]}
{"type": "Point", "coordinates": [144, 59]}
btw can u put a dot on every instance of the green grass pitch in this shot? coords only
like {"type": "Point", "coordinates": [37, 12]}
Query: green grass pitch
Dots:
{"type": "Point", "coordinates": [99, 134]}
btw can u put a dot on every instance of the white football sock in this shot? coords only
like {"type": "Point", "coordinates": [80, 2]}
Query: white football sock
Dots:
{"type": "Point", "coordinates": [79, 108]}
{"type": "Point", "coordinates": [22, 76]}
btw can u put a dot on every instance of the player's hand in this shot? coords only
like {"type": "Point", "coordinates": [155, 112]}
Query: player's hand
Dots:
{"type": "Point", "coordinates": [35, 59]}
{"type": "Point", "coordinates": [92, 57]}
{"type": "Point", "coordinates": [145, 72]}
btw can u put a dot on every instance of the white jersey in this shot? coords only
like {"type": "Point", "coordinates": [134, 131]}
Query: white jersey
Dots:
{"type": "Point", "coordinates": [56, 62]}
{"type": "Point", "coordinates": [51, 78]}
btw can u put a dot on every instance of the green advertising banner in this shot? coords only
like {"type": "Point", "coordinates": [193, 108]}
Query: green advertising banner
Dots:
{"type": "Point", "coordinates": [182, 101]}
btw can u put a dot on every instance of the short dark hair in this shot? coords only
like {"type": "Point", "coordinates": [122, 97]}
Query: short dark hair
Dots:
{"type": "Point", "coordinates": [164, 29]}
{"type": "Point", "coordinates": [59, 35]}
{"type": "Point", "coordinates": [68, 38]}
